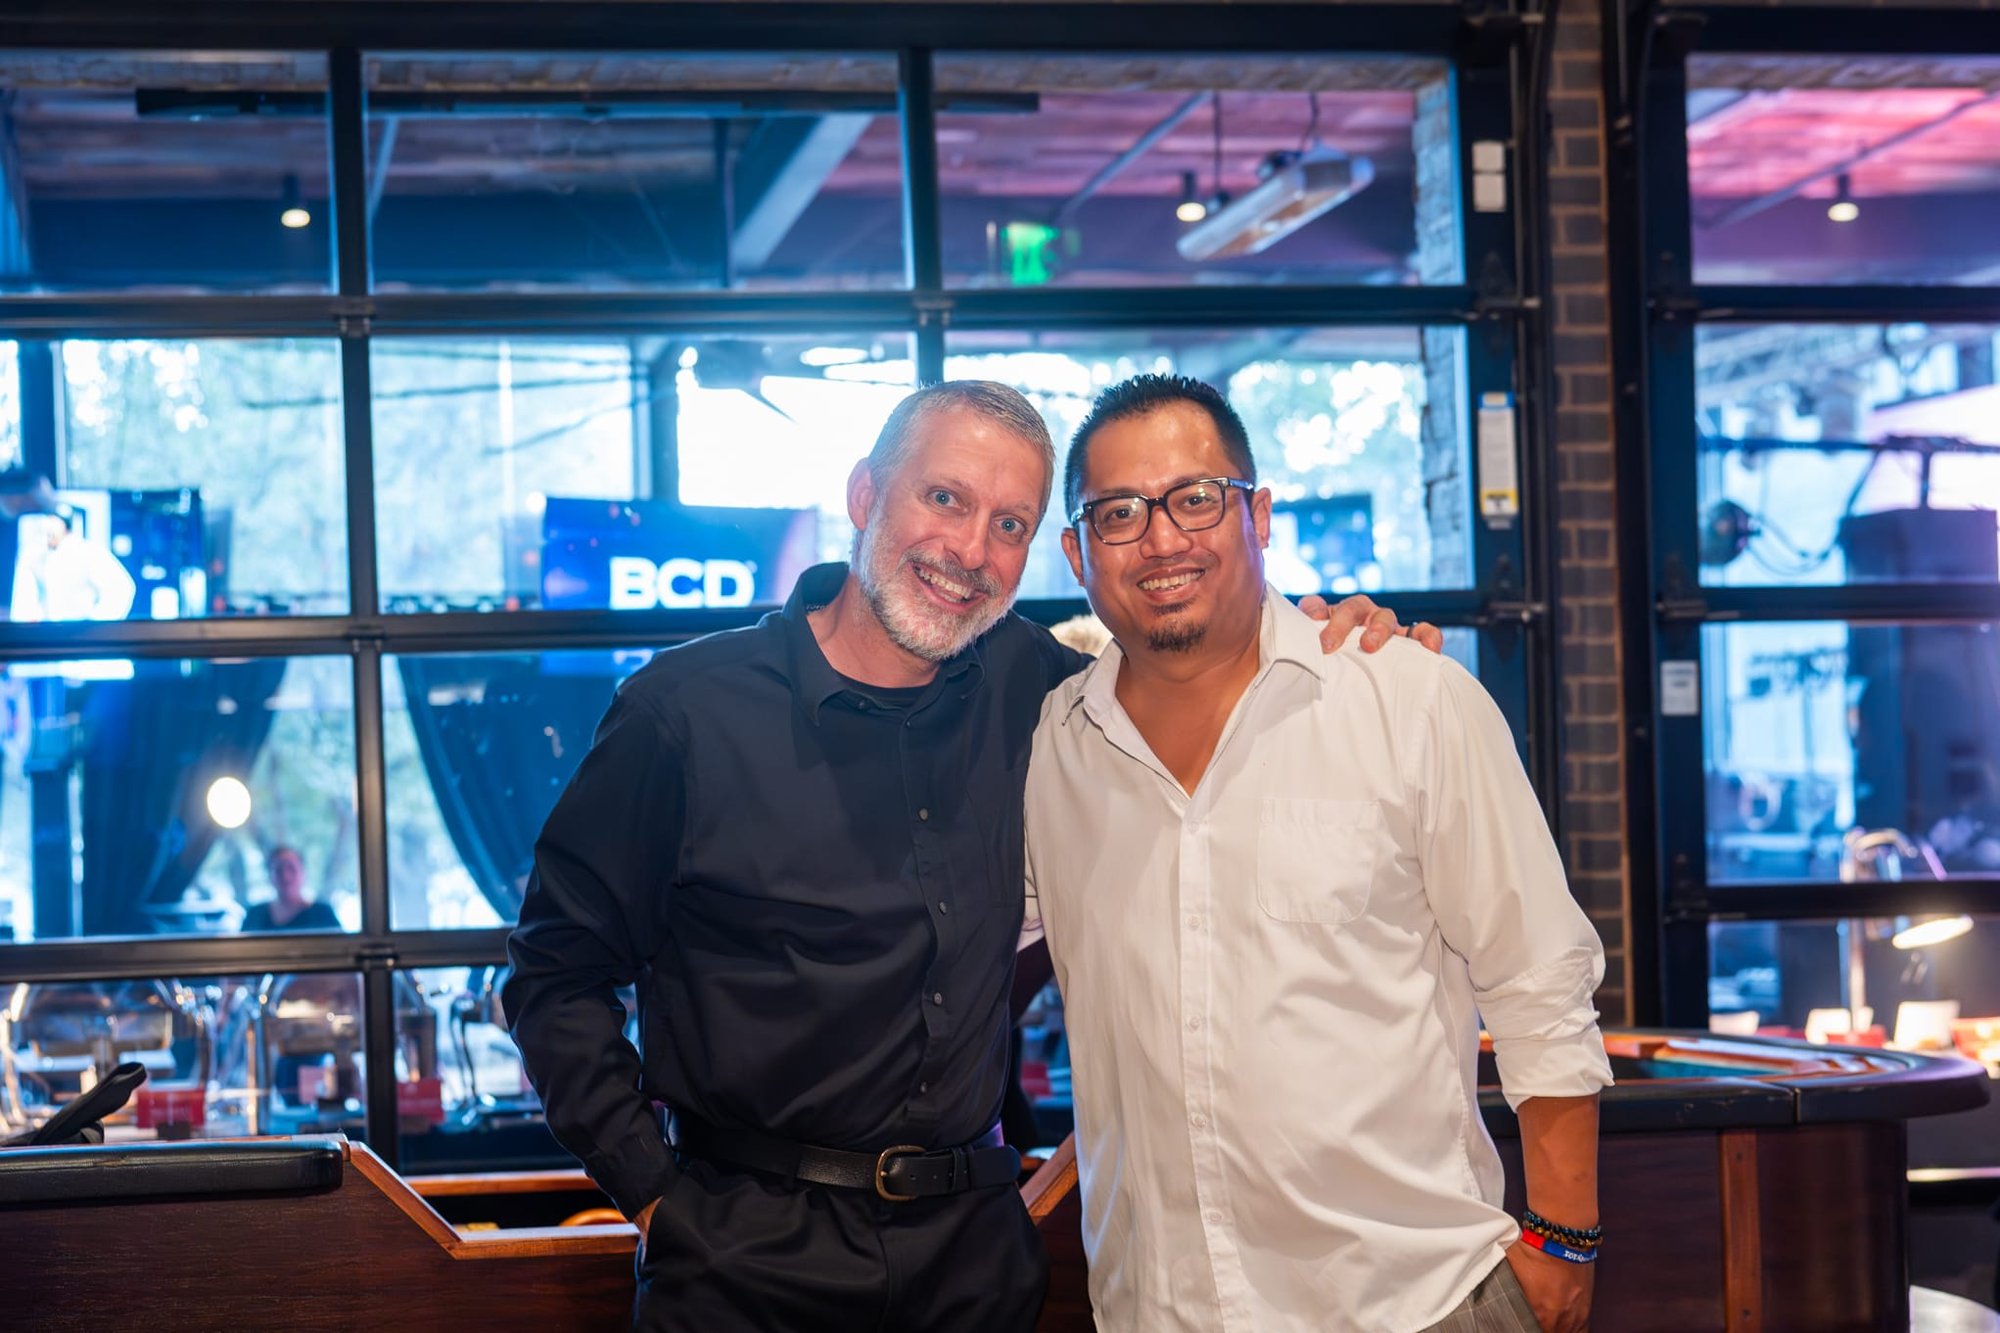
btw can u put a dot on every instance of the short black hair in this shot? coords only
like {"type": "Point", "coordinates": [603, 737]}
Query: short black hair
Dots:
{"type": "Point", "coordinates": [1149, 393]}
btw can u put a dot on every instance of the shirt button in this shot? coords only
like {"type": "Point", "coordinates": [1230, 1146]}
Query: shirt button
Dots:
{"type": "Point", "coordinates": [924, 813]}
{"type": "Point", "coordinates": [1194, 1025]}
{"type": "Point", "coordinates": [1194, 923]}
{"type": "Point", "coordinates": [923, 1087]}
{"type": "Point", "coordinates": [1198, 1120]}
{"type": "Point", "coordinates": [1213, 1216]}
{"type": "Point", "coordinates": [944, 909]}
{"type": "Point", "coordinates": [937, 997]}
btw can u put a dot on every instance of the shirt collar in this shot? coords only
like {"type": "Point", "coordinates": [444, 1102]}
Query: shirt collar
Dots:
{"type": "Point", "coordinates": [1290, 635]}
{"type": "Point", "coordinates": [813, 678]}
{"type": "Point", "coordinates": [1285, 634]}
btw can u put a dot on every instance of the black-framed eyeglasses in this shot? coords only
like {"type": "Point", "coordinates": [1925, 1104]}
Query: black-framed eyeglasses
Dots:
{"type": "Point", "coordinates": [1194, 506]}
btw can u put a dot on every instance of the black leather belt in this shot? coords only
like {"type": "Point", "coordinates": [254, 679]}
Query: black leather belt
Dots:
{"type": "Point", "coordinates": [898, 1174]}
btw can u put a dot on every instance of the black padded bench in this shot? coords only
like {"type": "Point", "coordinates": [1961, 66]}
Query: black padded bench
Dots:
{"type": "Point", "coordinates": [222, 1169]}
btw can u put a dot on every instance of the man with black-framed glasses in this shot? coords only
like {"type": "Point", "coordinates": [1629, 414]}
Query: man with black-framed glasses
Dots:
{"type": "Point", "coordinates": [803, 841]}
{"type": "Point", "coordinates": [1281, 890]}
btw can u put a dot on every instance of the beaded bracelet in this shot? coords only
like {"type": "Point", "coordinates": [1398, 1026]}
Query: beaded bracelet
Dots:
{"type": "Point", "coordinates": [1555, 1249]}
{"type": "Point", "coordinates": [1582, 1240]}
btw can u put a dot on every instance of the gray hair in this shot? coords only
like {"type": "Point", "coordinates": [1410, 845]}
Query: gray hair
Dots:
{"type": "Point", "coordinates": [998, 403]}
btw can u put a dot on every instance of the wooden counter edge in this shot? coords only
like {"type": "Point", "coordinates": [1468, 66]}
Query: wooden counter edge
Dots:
{"type": "Point", "coordinates": [498, 1182]}
{"type": "Point", "coordinates": [1052, 1182]}
{"type": "Point", "coordinates": [533, 1242]}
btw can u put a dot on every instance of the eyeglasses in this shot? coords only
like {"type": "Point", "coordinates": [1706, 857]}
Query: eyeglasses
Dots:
{"type": "Point", "coordinates": [1194, 506]}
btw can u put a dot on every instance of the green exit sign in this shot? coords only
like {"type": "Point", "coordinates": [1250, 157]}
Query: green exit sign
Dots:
{"type": "Point", "coordinates": [1030, 247]}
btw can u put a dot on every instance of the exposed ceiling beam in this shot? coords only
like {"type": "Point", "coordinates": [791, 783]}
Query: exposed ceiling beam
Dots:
{"type": "Point", "coordinates": [1752, 207]}
{"type": "Point", "coordinates": [1117, 165]}
{"type": "Point", "coordinates": [780, 171]}
{"type": "Point", "coordinates": [588, 103]}
{"type": "Point", "coordinates": [378, 172]}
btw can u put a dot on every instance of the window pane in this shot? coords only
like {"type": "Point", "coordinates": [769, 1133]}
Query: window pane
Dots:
{"type": "Point", "coordinates": [466, 1103]}
{"type": "Point", "coordinates": [1166, 170]}
{"type": "Point", "coordinates": [196, 479]}
{"type": "Point", "coordinates": [1347, 426]}
{"type": "Point", "coordinates": [155, 797]}
{"type": "Point", "coordinates": [624, 475]}
{"type": "Point", "coordinates": [10, 409]}
{"type": "Point", "coordinates": [1842, 753]}
{"type": "Point", "coordinates": [1784, 971]}
{"type": "Point", "coordinates": [606, 171]}
{"type": "Point", "coordinates": [478, 748]}
{"type": "Point", "coordinates": [201, 170]}
{"type": "Point", "coordinates": [1844, 169]}
{"type": "Point", "coordinates": [270, 1053]}
{"type": "Point", "coordinates": [1462, 647]}
{"type": "Point", "coordinates": [1849, 453]}
{"type": "Point", "coordinates": [777, 424]}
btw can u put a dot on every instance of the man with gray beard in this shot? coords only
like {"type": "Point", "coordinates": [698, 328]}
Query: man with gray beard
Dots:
{"type": "Point", "coordinates": [803, 842]}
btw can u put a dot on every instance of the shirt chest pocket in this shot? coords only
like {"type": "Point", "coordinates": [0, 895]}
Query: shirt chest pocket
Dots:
{"type": "Point", "coordinates": [1316, 860]}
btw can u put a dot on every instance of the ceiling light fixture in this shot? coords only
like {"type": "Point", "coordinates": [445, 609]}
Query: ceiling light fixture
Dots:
{"type": "Point", "coordinates": [1930, 931]}
{"type": "Point", "coordinates": [228, 802]}
{"type": "Point", "coordinates": [1218, 198]}
{"type": "Point", "coordinates": [832, 356]}
{"type": "Point", "coordinates": [292, 206]}
{"type": "Point", "coordinates": [1297, 188]}
{"type": "Point", "coordinates": [1190, 208]}
{"type": "Point", "coordinates": [1843, 208]}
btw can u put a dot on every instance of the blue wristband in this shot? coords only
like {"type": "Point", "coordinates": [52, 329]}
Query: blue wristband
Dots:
{"type": "Point", "coordinates": [1555, 1249]}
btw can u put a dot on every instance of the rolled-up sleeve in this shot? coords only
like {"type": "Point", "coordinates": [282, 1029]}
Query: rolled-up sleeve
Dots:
{"type": "Point", "coordinates": [590, 921]}
{"type": "Point", "coordinates": [1497, 888]}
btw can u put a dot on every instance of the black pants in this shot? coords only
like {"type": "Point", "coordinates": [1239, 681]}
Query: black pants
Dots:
{"type": "Point", "coordinates": [740, 1250]}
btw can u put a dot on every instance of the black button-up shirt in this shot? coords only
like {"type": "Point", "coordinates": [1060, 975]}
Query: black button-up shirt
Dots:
{"type": "Point", "coordinates": [816, 886]}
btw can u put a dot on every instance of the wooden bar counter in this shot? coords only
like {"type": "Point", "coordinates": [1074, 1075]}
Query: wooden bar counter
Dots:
{"type": "Point", "coordinates": [297, 1234]}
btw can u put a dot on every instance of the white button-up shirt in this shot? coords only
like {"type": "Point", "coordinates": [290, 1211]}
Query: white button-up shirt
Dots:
{"type": "Point", "coordinates": [1273, 988]}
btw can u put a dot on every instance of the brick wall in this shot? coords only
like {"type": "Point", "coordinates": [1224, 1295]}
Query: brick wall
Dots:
{"type": "Point", "coordinates": [1592, 716]}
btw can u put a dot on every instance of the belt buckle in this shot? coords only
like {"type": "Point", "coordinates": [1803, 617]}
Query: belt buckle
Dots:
{"type": "Point", "coordinates": [882, 1161]}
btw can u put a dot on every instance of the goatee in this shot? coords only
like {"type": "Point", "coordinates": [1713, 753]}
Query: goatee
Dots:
{"type": "Point", "coordinates": [1176, 637]}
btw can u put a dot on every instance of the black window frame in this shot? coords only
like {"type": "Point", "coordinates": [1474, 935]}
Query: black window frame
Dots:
{"type": "Point", "coordinates": [1501, 307]}
{"type": "Point", "coordinates": [1658, 309]}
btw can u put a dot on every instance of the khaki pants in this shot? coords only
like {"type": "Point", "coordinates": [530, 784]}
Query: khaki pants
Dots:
{"type": "Point", "coordinates": [1496, 1305]}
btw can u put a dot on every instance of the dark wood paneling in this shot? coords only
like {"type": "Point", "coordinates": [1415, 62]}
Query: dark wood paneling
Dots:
{"type": "Point", "coordinates": [1812, 1238]}
{"type": "Point", "coordinates": [353, 1258]}
{"type": "Point", "coordinates": [1052, 1199]}
{"type": "Point", "coordinates": [1661, 1205]}
{"type": "Point", "coordinates": [1834, 1210]}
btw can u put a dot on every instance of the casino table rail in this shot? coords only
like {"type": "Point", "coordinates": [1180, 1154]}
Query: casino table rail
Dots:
{"type": "Point", "coordinates": [1744, 1184]}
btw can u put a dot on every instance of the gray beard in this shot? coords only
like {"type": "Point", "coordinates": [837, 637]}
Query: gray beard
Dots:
{"type": "Point", "coordinates": [892, 623]}
{"type": "Point", "coordinates": [899, 627]}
